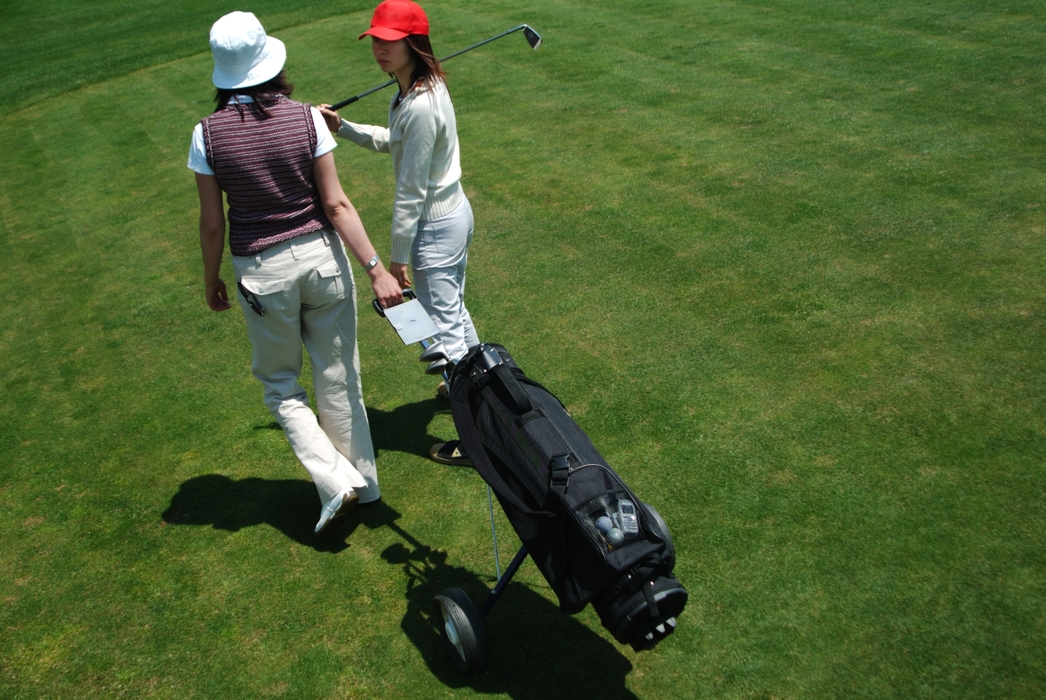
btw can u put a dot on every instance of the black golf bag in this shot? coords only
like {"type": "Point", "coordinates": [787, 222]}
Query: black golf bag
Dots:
{"type": "Point", "coordinates": [590, 536]}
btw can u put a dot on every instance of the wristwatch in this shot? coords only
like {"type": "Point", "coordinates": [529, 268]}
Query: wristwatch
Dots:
{"type": "Point", "coordinates": [371, 264]}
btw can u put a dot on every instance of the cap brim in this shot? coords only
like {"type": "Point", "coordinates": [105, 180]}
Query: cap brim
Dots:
{"type": "Point", "coordinates": [385, 33]}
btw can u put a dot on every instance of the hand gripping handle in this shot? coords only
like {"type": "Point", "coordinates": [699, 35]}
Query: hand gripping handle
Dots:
{"type": "Point", "coordinates": [408, 294]}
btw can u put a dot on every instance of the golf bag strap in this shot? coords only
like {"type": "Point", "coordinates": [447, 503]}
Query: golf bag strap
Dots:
{"type": "Point", "coordinates": [651, 601]}
{"type": "Point", "coordinates": [468, 433]}
{"type": "Point", "coordinates": [640, 577]}
{"type": "Point", "coordinates": [504, 491]}
{"type": "Point", "coordinates": [512, 385]}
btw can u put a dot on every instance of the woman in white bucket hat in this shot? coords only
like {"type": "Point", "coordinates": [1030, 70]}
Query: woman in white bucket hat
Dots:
{"type": "Point", "coordinates": [289, 226]}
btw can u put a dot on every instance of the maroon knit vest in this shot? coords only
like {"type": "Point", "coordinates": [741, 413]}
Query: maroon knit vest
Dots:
{"type": "Point", "coordinates": [264, 164]}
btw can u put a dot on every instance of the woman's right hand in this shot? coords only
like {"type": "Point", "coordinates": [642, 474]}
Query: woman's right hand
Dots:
{"type": "Point", "coordinates": [217, 297]}
{"type": "Point", "coordinates": [386, 289]}
{"type": "Point", "coordinates": [331, 117]}
{"type": "Point", "coordinates": [401, 272]}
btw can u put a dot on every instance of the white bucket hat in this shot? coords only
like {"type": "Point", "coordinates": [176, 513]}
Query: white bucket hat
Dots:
{"type": "Point", "coordinates": [243, 54]}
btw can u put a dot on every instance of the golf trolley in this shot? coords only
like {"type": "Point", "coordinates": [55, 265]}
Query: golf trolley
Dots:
{"type": "Point", "coordinates": [591, 537]}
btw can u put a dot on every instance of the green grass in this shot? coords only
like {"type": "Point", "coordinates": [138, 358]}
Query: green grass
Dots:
{"type": "Point", "coordinates": [782, 260]}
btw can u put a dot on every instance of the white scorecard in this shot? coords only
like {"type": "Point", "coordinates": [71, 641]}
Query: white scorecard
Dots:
{"type": "Point", "coordinates": [411, 322]}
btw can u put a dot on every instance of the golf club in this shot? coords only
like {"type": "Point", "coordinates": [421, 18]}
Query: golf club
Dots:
{"type": "Point", "coordinates": [433, 352]}
{"type": "Point", "coordinates": [438, 367]}
{"type": "Point", "coordinates": [533, 38]}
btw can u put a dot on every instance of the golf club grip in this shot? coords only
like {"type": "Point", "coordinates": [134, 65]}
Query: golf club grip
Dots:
{"type": "Point", "coordinates": [344, 103]}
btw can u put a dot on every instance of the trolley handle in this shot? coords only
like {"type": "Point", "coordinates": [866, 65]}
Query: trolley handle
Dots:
{"type": "Point", "coordinates": [408, 294]}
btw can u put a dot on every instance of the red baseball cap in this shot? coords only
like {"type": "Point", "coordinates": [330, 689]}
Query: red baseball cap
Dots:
{"type": "Point", "coordinates": [395, 19]}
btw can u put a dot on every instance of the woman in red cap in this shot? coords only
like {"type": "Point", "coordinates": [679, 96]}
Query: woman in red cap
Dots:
{"type": "Point", "coordinates": [432, 221]}
{"type": "Point", "coordinates": [289, 225]}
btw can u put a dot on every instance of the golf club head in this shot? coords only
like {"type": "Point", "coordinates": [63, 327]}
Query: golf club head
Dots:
{"type": "Point", "coordinates": [437, 366]}
{"type": "Point", "coordinates": [433, 352]}
{"type": "Point", "coordinates": [533, 38]}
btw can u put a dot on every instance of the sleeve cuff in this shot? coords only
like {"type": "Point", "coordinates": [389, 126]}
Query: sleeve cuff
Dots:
{"type": "Point", "coordinates": [401, 246]}
{"type": "Point", "coordinates": [348, 130]}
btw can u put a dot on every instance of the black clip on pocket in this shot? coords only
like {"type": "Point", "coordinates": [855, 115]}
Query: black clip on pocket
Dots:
{"type": "Point", "coordinates": [559, 474]}
{"type": "Point", "coordinates": [251, 299]}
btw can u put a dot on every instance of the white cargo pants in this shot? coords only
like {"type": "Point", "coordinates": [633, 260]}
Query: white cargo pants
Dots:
{"type": "Point", "coordinates": [306, 288]}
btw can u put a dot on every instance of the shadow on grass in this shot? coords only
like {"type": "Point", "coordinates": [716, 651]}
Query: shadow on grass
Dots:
{"type": "Point", "coordinates": [406, 428]}
{"type": "Point", "coordinates": [403, 429]}
{"type": "Point", "coordinates": [536, 651]}
{"type": "Point", "coordinates": [289, 505]}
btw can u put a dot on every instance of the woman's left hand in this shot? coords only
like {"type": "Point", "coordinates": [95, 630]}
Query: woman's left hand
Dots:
{"type": "Point", "coordinates": [401, 272]}
{"type": "Point", "coordinates": [332, 118]}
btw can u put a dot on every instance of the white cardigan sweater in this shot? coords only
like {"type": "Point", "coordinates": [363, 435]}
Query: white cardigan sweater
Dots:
{"type": "Point", "coordinates": [423, 140]}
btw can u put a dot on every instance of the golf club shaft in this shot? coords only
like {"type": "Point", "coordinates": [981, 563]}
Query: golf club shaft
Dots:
{"type": "Point", "coordinates": [345, 103]}
{"type": "Point", "coordinates": [485, 41]}
{"type": "Point", "coordinates": [493, 533]}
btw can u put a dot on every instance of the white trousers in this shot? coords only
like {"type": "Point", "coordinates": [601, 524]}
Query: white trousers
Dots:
{"type": "Point", "coordinates": [438, 259]}
{"type": "Point", "coordinates": [306, 288]}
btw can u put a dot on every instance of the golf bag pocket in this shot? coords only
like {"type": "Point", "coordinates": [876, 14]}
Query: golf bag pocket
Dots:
{"type": "Point", "coordinates": [601, 520]}
{"type": "Point", "coordinates": [607, 512]}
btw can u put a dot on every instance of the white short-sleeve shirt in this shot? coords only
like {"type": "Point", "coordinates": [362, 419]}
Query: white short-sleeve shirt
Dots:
{"type": "Point", "coordinates": [325, 143]}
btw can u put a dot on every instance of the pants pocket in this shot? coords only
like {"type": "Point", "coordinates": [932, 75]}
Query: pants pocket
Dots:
{"type": "Point", "coordinates": [330, 285]}
{"type": "Point", "coordinates": [265, 283]}
{"type": "Point", "coordinates": [427, 249]}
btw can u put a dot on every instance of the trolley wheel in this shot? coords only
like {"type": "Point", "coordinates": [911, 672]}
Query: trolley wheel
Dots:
{"type": "Point", "coordinates": [461, 629]}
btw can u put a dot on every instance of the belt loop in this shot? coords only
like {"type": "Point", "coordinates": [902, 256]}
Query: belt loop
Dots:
{"type": "Point", "coordinates": [326, 239]}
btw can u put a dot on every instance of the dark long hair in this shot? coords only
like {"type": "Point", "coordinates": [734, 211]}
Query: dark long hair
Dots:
{"type": "Point", "coordinates": [426, 66]}
{"type": "Point", "coordinates": [264, 94]}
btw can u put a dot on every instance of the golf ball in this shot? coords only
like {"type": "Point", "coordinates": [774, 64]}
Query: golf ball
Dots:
{"type": "Point", "coordinates": [603, 524]}
{"type": "Point", "coordinates": [615, 536]}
